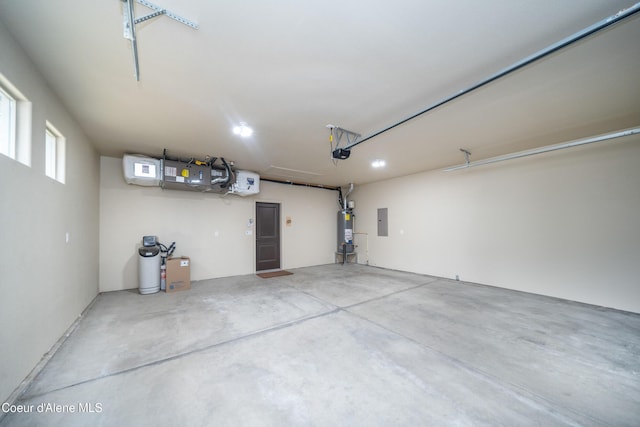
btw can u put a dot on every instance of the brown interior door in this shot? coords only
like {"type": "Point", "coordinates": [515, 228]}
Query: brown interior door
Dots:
{"type": "Point", "coordinates": [267, 236]}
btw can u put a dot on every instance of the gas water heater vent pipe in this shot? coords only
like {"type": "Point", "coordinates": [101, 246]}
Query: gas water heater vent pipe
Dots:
{"type": "Point", "coordinates": [344, 200]}
{"type": "Point", "coordinates": [585, 32]}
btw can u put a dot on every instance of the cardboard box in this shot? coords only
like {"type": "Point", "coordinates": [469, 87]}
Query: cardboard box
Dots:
{"type": "Point", "coordinates": [178, 274]}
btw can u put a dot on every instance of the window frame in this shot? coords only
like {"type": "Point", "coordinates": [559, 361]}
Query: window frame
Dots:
{"type": "Point", "coordinates": [55, 153]}
{"type": "Point", "coordinates": [8, 106]}
{"type": "Point", "coordinates": [19, 145]}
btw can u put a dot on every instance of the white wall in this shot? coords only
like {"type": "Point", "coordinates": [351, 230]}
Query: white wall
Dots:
{"type": "Point", "coordinates": [564, 224]}
{"type": "Point", "coordinates": [209, 228]}
{"type": "Point", "coordinates": [45, 283]}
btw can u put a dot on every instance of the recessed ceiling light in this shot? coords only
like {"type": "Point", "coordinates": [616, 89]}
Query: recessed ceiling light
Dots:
{"type": "Point", "coordinates": [378, 163]}
{"type": "Point", "coordinates": [243, 130]}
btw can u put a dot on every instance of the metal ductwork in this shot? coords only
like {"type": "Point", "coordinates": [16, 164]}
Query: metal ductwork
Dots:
{"type": "Point", "coordinates": [346, 196]}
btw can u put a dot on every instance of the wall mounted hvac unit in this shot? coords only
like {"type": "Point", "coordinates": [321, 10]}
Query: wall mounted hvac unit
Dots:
{"type": "Point", "coordinates": [180, 175]}
{"type": "Point", "coordinates": [142, 170]}
{"type": "Point", "coordinates": [247, 183]}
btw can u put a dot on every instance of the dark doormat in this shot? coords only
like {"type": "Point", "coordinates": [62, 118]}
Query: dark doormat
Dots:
{"type": "Point", "coordinates": [274, 274]}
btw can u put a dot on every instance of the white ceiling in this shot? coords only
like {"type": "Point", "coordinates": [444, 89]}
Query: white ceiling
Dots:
{"type": "Point", "coordinates": [289, 68]}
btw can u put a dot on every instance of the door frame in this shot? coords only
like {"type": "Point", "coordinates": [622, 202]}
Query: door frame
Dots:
{"type": "Point", "coordinates": [280, 204]}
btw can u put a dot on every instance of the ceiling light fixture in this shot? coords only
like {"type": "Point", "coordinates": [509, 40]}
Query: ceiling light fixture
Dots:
{"type": "Point", "coordinates": [378, 163]}
{"type": "Point", "coordinates": [243, 130]}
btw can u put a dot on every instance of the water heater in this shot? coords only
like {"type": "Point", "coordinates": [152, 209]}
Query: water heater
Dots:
{"type": "Point", "coordinates": [345, 230]}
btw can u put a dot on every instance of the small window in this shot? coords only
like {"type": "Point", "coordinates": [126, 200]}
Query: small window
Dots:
{"type": "Point", "coordinates": [54, 149]}
{"type": "Point", "coordinates": [7, 124]}
{"type": "Point", "coordinates": [15, 123]}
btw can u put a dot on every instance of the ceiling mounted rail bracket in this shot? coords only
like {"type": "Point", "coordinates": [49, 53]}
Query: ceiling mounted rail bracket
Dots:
{"type": "Point", "coordinates": [161, 11]}
{"type": "Point", "coordinates": [467, 154]}
{"type": "Point", "coordinates": [351, 137]}
{"type": "Point", "coordinates": [130, 22]}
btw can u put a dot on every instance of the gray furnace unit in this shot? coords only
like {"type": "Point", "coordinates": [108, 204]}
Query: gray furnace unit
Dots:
{"type": "Point", "coordinates": [180, 175]}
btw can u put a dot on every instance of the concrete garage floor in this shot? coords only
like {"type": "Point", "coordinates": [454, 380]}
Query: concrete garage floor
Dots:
{"type": "Point", "coordinates": [341, 345]}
